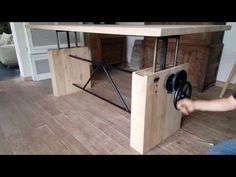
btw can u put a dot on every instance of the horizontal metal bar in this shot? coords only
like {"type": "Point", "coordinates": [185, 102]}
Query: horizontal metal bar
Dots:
{"type": "Point", "coordinates": [101, 64]}
{"type": "Point", "coordinates": [104, 99]}
{"type": "Point", "coordinates": [120, 69]}
{"type": "Point", "coordinates": [60, 31]}
{"type": "Point", "coordinates": [168, 37]}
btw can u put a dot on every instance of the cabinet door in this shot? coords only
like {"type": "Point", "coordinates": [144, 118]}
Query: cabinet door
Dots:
{"type": "Point", "coordinates": [114, 50]}
{"type": "Point", "coordinates": [108, 48]}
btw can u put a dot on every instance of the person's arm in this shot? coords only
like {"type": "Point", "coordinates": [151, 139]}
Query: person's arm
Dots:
{"type": "Point", "coordinates": [218, 105]}
{"type": "Point", "coordinates": [187, 106]}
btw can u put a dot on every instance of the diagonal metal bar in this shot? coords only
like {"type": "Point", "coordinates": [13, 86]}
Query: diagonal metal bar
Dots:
{"type": "Point", "coordinates": [104, 99]}
{"type": "Point", "coordinates": [92, 75]}
{"type": "Point", "coordinates": [103, 65]}
{"type": "Point", "coordinates": [115, 88]}
{"type": "Point", "coordinates": [83, 59]}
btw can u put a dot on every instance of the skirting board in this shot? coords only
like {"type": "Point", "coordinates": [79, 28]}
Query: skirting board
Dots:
{"type": "Point", "coordinates": [26, 78]}
{"type": "Point", "coordinates": [221, 84]}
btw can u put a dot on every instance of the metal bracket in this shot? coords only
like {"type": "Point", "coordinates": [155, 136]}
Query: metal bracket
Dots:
{"type": "Point", "coordinates": [67, 38]}
{"type": "Point", "coordinates": [164, 51]}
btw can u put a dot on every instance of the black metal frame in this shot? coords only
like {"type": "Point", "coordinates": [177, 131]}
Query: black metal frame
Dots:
{"type": "Point", "coordinates": [67, 38]}
{"type": "Point", "coordinates": [164, 51]}
{"type": "Point", "coordinates": [104, 66]}
{"type": "Point", "coordinates": [176, 50]}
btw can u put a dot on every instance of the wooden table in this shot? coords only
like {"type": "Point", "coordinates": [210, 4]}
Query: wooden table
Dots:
{"type": "Point", "coordinates": [136, 30]}
{"type": "Point", "coordinates": [153, 116]}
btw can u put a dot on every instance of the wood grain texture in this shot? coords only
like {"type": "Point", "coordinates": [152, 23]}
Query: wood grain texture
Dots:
{"type": "Point", "coordinates": [137, 30]}
{"type": "Point", "coordinates": [66, 70]}
{"type": "Point", "coordinates": [153, 116]}
{"type": "Point", "coordinates": [110, 49]}
{"type": "Point", "coordinates": [33, 121]}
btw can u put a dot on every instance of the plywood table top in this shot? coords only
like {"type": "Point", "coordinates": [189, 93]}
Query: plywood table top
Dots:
{"type": "Point", "coordinates": [135, 30]}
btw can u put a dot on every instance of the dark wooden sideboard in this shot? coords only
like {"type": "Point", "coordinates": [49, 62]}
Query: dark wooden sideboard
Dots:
{"type": "Point", "coordinates": [203, 52]}
{"type": "Point", "coordinates": [108, 48]}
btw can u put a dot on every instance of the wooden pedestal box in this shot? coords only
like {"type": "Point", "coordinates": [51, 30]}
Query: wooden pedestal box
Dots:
{"type": "Point", "coordinates": [66, 70]}
{"type": "Point", "coordinates": [153, 115]}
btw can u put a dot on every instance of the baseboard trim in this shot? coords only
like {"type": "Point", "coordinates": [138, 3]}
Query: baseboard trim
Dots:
{"type": "Point", "coordinates": [26, 78]}
{"type": "Point", "coordinates": [222, 84]}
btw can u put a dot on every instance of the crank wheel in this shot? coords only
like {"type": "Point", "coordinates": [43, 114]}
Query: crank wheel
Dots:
{"type": "Point", "coordinates": [179, 79]}
{"type": "Point", "coordinates": [168, 84]}
{"type": "Point", "coordinates": [184, 91]}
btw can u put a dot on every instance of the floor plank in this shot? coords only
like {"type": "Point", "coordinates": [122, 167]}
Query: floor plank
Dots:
{"type": "Point", "coordinates": [33, 121]}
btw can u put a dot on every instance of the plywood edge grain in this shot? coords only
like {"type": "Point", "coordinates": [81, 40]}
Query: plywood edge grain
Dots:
{"type": "Point", "coordinates": [135, 30]}
{"type": "Point", "coordinates": [138, 108]}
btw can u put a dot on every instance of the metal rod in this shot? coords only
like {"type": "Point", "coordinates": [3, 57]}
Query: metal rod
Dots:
{"type": "Point", "coordinates": [104, 99]}
{"type": "Point", "coordinates": [120, 69]}
{"type": "Point", "coordinates": [168, 37]}
{"type": "Point", "coordinates": [164, 53]}
{"type": "Point", "coordinates": [97, 63]}
{"type": "Point", "coordinates": [76, 40]}
{"type": "Point", "coordinates": [176, 50]}
{"type": "Point", "coordinates": [116, 89]}
{"type": "Point", "coordinates": [155, 56]}
{"type": "Point", "coordinates": [58, 39]}
{"type": "Point", "coordinates": [68, 38]}
{"type": "Point", "coordinates": [90, 61]}
{"type": "Point", "coordinates": [92, 75]}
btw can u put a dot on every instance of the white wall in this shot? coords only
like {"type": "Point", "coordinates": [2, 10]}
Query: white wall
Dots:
{"type": "Point", "coordinates": [131, 39]}
{"type": "Point", "coordinates": [32, 48]}
{"type": "Point", "coordinates": [21, 49]}
{"type": "Point", "coordinates": [228, 55]}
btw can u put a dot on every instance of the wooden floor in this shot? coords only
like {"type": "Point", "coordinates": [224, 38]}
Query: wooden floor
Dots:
{"type": "Point", "coordinates": [33, 121]}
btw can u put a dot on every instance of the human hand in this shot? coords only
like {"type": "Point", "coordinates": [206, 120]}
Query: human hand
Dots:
{"type": "Point", "coordinates": [186, 106]}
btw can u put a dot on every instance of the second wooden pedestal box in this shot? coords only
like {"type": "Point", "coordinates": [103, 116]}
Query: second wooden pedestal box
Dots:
{"type": "Point", "coordinates": [153, 115]}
